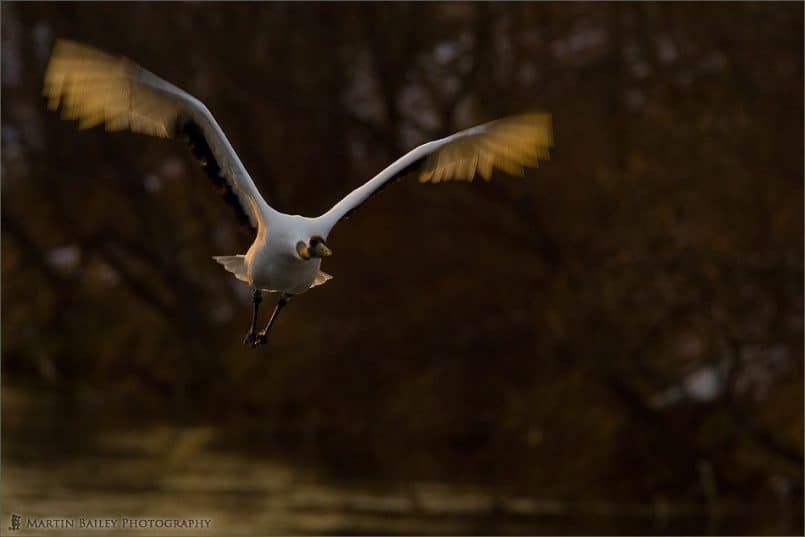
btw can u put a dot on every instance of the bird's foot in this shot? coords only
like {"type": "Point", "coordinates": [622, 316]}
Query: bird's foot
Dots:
{"type": "Point", "coordinates": [250, 338]}
{"type": "Point", "coordinates": [260, 339]}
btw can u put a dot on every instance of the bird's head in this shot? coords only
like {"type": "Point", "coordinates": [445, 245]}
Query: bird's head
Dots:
{"type": "Point", "coordinates": [315, 248]}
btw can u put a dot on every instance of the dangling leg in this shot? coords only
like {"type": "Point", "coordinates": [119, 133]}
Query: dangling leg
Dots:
{"type": "Point", "coordinates": [262, 337]}
{"type": "Point", "coordinates": [257, 298]}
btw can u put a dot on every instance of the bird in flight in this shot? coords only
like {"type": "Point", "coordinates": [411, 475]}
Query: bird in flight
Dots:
{"type": "Point", "coordinates": [285, 258]}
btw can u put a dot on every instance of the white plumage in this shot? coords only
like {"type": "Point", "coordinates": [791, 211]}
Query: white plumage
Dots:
{"type": "Point", "coordinates": [96, 88]}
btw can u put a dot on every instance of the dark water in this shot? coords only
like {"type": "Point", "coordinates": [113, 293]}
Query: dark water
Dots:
{"type": "Point", "coordinates": [56, 466]}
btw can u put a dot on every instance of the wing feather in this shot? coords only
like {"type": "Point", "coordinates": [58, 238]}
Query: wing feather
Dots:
{"type": "Point", "coordinates": [510, 144]}
{"type": "Point", "coordinates": [96, 88]}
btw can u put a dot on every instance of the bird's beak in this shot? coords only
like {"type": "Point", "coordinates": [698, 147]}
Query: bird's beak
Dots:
{"type": "Point", "coordinates": [321, 250]}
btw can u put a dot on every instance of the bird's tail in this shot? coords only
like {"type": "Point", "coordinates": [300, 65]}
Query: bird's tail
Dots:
{"type": "Point", "coordinates": [236, 264]}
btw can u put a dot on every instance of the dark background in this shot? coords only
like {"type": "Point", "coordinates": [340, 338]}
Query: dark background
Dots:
{"type": "Point", "coordinates": [625, 323]}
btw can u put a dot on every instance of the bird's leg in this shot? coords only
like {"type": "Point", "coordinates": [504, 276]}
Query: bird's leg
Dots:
{"type": "Point", "coordinates": [257, 298]}
{"type": "Point", "coordinates": [262, 337]}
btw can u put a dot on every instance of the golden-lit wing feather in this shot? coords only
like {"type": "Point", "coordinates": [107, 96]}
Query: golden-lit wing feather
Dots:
{"type": "Point", "coordinates": [510, 144]}
{"type": "Point", "coordinates": [97, 88]}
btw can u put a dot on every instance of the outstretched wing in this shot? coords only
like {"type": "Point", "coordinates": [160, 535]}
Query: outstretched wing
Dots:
{"type": "Point", "coordinates": [509, 144]}
{"type": "Point", "coordinates": [97, 88]}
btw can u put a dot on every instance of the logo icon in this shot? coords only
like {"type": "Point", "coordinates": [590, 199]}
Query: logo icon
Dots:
{"type": "Point", "coordinates": [16, 522]}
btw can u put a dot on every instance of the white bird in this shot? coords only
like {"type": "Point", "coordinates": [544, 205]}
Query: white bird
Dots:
{"type": "Point", "coordinates": [285, 257]}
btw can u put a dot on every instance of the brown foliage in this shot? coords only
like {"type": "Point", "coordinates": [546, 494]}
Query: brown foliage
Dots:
{"type": "Point", "coordinates": [533, 333]}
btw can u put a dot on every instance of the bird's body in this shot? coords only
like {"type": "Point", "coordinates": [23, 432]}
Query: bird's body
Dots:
{"type": "Point", "coordinates": [286, 255]}
{"type": "Point", "coordinates": [272, 264]}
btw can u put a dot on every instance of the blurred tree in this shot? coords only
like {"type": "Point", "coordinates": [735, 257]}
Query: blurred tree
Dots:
{"type": "Point", "coordinates": [624, 317]}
